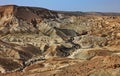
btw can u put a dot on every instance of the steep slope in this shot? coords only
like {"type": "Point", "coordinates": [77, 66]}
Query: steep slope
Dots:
{"type": "Point", "coordinates": [21, 19]}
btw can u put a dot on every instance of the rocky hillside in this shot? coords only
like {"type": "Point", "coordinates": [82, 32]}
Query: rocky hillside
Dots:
{"type": "Point", "coordinates": [40, 42]}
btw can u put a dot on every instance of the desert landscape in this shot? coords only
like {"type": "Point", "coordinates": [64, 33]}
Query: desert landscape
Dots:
{"type": "Point", "coordinates": [36, 41]}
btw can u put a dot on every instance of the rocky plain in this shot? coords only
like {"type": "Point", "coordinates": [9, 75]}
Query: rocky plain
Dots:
{"type": "Point", "coordinates": [40, 42]}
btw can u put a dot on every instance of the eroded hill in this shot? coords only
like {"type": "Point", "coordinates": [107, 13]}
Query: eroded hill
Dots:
{"type": "Point", "coordinates": [37, 41]}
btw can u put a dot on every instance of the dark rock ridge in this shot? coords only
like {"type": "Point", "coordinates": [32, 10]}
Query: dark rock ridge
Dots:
{"type": "Point", "coordinates": [13, 18]}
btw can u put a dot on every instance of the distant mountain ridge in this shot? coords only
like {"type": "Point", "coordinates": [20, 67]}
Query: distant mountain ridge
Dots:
{"type": "Point", "coordinates": [79, 13]}
{"type": "Point", "coordinates": [75, 13]}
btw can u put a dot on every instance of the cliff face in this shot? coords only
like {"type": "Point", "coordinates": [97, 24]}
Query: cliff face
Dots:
{"type": "Point", "coordinates": [37, 41]}
{"type": "Point", "coordinates": [21, 19]}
